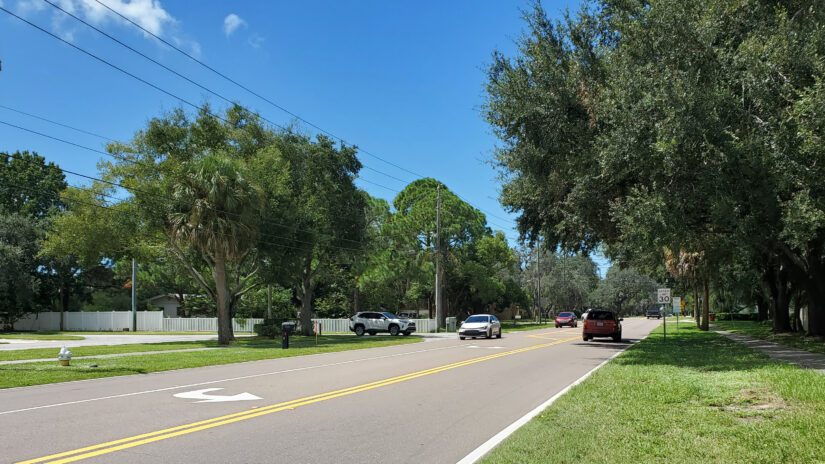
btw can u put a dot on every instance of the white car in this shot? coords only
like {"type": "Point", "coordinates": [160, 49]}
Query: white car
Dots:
{"type": "Point", "coordinates": [374, 322]}
{"type": "Point", "coordinates": [480, 325]}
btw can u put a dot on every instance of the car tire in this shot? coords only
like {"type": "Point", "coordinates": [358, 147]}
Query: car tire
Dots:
{"type": "Point", "coordinates": [359, 330]}
{"type": "Point", "coordinates": [489, 334]}
{"type": "Point", "coordinates": [371, 332]}
{"type": "Point", "coordinates": [617, 337]}
{"type": "Point", "coordinates": [585, 338]}
{"type": "Point", "coordinates": [498, 335]}
{"type": "Point", "coordinates": [461, 338]}
{"type": "Point", "coordinates": [557, 326]}
{"type": "Point", "coordinates": [394, 330]}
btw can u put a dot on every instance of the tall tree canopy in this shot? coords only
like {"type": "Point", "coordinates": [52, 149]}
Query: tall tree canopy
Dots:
{"type": "Point", "coordinates": [659, 125]}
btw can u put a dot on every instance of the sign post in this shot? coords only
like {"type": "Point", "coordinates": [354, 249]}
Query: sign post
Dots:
{"type": "Point", "coordinates": [663, 298]}
{"type": "Point", "coordinates": [677, 308]}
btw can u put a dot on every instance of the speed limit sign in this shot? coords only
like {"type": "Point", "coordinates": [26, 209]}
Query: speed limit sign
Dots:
{"type": "Point", "coordinates": [663, 296]}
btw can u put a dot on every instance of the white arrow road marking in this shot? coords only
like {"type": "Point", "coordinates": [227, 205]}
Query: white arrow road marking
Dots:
{"type": "Point", "coordinates": [202, 395]}
{"type": "Point", "coordinates": [488, 347]}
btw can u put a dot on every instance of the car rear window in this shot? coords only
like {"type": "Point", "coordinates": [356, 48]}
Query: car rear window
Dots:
{"type": "Point", "coordinates": [600, 315]}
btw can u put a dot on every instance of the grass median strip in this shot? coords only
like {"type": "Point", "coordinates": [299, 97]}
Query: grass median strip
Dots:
{"type": "Point", "coordinates": [695, 397]}
{"type": "Point", "coordinates": [146, 438]}
{"type": "Point", "coordinates": [246, 349]}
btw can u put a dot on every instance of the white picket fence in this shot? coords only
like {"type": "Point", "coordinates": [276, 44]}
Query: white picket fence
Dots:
{"type": "Point", "coordinates": [117, 321]}
{"type": "Point", "coordinates": [342, 325]}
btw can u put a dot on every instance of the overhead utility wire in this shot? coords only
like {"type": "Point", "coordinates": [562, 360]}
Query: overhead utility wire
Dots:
{"type": "Point", "coordinates": [181, 99]}
{"type": "Point", "coordinates": [269, 101]}
{"type": "Point", "coordinates": [247, 89]}
{"type": "Point", "coordinates": [189, 80]}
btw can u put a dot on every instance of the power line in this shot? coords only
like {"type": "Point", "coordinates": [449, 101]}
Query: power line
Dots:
{"type": "Point", "coordinates": [156, 87]}
{"type": "Point", "coordinates": [245, 88]}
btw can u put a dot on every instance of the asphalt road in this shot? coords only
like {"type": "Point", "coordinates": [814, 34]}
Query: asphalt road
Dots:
{"type": "Point", "coordinates": [433, 403]}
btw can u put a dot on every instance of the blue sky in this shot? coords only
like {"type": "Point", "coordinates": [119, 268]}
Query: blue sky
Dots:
{"type": "Point", "coordinates": [402, 80]}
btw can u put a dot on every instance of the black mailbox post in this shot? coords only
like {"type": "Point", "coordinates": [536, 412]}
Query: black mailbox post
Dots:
{"type": "Point", "coordinates": [286, 330]}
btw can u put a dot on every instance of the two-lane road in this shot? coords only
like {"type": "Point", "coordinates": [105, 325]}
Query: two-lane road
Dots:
{"type": "Point", "coordinates": [433, 402]}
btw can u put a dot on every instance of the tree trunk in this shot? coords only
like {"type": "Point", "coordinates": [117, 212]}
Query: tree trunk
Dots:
{"type": "Point", "coordinates": [64, 304]}
{"type": "Point", "coordinates": [705, 306]}
{"type": "Point", "coordinates": [816, 298]}
{"type": "Point", "coordinates": [797, 313]}
{"type": "Point", "coordinates": [356, 300]}
{"type": "Point", "coordinates": [697, 315]}
{"type": "Point", "coordinates": [762, 306]}
{"type": "Point", "coordinates": [306, 298]}
{"type": "Point", "coordinates": [781, 297]}
{"type": "Point", "coordinates": [225, 334]}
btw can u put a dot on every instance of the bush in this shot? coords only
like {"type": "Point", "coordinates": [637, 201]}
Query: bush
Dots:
{"type": "Point", "coordinates": [269, 328]}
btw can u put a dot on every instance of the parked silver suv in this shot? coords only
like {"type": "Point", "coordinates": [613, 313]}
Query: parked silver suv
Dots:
{"type": "Point", "coordinates": [374, 322]}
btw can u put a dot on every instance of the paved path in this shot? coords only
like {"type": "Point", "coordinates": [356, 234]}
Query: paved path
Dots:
{"type": "Point", "coordinates": [94, 340]}
{"type": "Point", "coordinates": [780, 352]}
{"type": "Point", "coordinates": [116, 355]}
{"type": "Point", "coordinates": [430, 402]}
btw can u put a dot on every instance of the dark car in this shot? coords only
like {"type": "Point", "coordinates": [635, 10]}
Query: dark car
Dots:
{"type": "Point", "coordinates": [567, 318]}
{"type": "Point", "coordinates": [601, 323]}
{"type": "Point", "coordinates": [654, 312]}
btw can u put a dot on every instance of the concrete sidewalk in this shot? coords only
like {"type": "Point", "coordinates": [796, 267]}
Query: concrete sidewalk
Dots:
{"type": "Point", "coordinates": [801, 358]}
{"type": "Point", "coordinates": [115, 355]}
{"type": "Point", "coordinates": [104, 339]}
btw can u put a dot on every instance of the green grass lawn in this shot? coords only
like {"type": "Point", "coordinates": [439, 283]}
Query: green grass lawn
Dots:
{"type": "Point", "coordinates": [697, 397]}
{"type": "Point", "coordinates": [40, 336]}
{"type": "Point", "coordinates": [764, 331]}
{"type": "Point", "coordinates": [248, 349]}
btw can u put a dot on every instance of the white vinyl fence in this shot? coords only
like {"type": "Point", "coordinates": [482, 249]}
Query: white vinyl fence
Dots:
{"type": "Point", "coordinates": [206, 324]}
{"type": "Point", "coordinates": [118, 321]}
{"type": "Point", "coordinates": [342, 325]}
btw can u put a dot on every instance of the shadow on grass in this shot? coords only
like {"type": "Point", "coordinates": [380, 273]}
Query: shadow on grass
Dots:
{"type": "Point", "coordinates": [693, 349]}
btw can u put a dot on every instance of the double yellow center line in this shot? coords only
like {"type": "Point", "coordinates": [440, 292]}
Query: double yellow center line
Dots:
{"type": "Point", "coordinates": [146, 438]}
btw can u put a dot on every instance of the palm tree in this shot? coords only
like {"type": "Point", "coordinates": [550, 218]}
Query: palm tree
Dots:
{"type": "Point", "coordinates": [684, 265]}
{"type": "Point", "coordinates": [216, 213]}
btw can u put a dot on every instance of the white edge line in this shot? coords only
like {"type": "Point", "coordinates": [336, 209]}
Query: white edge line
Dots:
{"type": "Point", "coordinates": [210, 382]}
{"type": "Point", "coordinates": [488, 445]}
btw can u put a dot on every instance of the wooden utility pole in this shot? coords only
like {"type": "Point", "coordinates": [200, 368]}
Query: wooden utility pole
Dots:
{"type": "Point", "coordinates": [134, 295]}
{"type": "Point", "coordinates": [439, 276]}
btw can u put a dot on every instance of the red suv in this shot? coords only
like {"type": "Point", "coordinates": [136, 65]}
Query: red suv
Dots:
{"type": "Point", "coordinates": [567, 318]}
{"type": "Point", "coordinates": [600, 323]}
